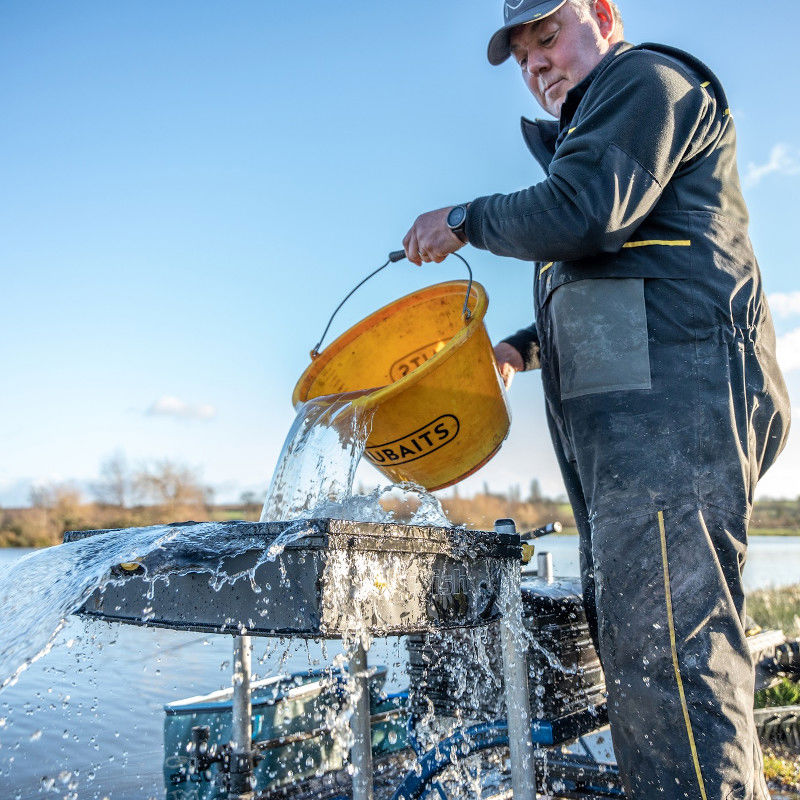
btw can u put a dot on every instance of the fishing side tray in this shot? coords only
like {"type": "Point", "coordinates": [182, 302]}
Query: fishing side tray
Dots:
{"type": "Point", "coordinates": [323, 578]}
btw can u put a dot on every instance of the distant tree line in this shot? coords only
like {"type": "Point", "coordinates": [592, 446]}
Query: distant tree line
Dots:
{"type": "Point", "coordinates": [126, 495]}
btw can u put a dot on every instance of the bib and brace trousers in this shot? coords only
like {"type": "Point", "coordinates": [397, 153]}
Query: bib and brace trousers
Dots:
{"type": "Point", "coordinates": [664, 400]}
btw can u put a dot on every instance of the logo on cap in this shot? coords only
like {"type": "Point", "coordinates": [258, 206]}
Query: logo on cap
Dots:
{"type": "Point", "coordinates": [511, 7]}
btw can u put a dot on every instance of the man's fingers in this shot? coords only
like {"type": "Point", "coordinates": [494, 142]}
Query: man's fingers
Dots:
{"type": "Point", "coordinates": [507, 373]}
{"type": "Point", "coordinates": [412, 248]}
{"type": "Point", "coordinates": [430, 239]}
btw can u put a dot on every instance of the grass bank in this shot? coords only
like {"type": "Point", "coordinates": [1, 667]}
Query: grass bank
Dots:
{"type": "Point", "coordinates": [779, 608]}
{"type": "Point", "coordinates": [776, 608]}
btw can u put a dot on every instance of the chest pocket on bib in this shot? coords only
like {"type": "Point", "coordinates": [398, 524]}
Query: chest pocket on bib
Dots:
{"type": "Point", "coordinates": [600, 333]}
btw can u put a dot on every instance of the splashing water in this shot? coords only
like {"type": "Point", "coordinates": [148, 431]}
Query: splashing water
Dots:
{"type": "Point", "coordinates": [313, 478]}
{"type": "Point", "coordinates": [317, 466]}
{"type": "Point", "coordinates": [40, 590]}
{"type": "Point", "coordinates": [319, 458]}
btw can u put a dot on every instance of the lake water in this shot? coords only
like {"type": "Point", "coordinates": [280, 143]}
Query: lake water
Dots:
{"type": "Point", "coordinates": [772, 561]}
{"type": "Point", "coordinates": [85, 722]}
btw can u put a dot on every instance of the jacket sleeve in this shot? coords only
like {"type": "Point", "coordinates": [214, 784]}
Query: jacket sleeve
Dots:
{"type": "Point", "coordinates": [641, 120]}
{"type": "Point", "coordinates": [526, 342]}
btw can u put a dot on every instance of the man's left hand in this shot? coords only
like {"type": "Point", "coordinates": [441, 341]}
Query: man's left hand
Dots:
{"type": "Point", "coordinates": [430, 239]}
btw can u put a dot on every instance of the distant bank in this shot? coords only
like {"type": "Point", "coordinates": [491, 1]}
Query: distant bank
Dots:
{"type": "Point", "coordinates": [43, 523]}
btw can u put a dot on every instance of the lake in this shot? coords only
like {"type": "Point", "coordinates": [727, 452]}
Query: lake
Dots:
{"type": "Point", "coordinates": [85, 722]}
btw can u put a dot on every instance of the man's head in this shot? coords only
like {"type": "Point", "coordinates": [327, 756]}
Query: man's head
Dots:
{"type": "Point", "coordinates": [556, 43]}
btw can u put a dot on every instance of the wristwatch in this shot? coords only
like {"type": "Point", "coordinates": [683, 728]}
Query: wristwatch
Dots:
{"type": "Point", "coordinates": [457, 221]}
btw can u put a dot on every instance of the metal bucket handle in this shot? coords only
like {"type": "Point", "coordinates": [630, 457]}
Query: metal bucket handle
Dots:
{"type": "Point", "coordinates": [394, 257]}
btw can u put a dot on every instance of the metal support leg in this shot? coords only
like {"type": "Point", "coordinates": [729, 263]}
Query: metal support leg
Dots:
{"type": "Point", "coordinates": [361, 751]}
{"type": "Point", "coordinates": [515, 675]}
{"type": "Point", "coordinates": [241, 769]}
{"type": "Point", "coordinates": [544, 563]}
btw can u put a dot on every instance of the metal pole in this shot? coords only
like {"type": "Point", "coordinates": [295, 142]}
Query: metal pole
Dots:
{"type": "Point", "coordinates": [515, 675]}
{"type": "Point", "coordinates": [241, 770]}
{"type": "Point", "coordinates": [361, 751]}
{"type": "Point", "coordinates": [544, 566]}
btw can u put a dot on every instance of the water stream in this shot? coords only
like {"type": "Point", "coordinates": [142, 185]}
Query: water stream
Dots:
{"type": "Point", "coordinates": [319, 458]}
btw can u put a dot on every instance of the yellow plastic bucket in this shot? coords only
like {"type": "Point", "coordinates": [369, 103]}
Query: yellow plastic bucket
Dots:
{"type": "Point", "coordinates": [440, 412]}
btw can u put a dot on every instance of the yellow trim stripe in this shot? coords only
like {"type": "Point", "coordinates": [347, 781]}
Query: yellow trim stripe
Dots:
{"type": "Point", "coordinates": [671, 622]}
{"type": "Point", "coordinates": [703, 85]}
{"type": "Point", "coordinates": [571, 129]}
{"type": "Point", "coordinates": [545, 268]}
{"type": "Point", "coordinates": [662, 242]}
{"type": "Point", "coordinates": [727, 112]}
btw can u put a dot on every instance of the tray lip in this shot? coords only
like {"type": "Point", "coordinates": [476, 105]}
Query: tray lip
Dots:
{"type": "Point", "coordinates": [337, 534]}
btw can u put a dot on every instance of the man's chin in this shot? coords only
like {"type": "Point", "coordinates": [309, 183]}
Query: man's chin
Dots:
{"type": "Point", "coordinates": [554, 109]}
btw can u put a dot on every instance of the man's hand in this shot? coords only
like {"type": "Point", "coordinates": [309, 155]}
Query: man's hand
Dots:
{"type": "Point", "coordinates": [430, 239]}
{"type": "Point", "coordinates": [509, 362]}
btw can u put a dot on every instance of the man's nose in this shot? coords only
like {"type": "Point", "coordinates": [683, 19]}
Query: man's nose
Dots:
{"type": "Point", "coordinates": [536, 64]}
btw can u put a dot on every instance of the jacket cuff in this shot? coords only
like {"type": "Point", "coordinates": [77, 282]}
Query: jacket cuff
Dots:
{"type": "Point", "coordinates": [526, 342]}
{"type": "Point", "coordinates": [474, 224]}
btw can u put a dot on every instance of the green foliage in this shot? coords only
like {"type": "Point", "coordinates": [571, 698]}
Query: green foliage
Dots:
{"type": "Point", "coordinates": [786, 693]}
{"type": "Point", "coordinates": [782, 767]}
{"type": "Point", "coordinates": [776, 514]}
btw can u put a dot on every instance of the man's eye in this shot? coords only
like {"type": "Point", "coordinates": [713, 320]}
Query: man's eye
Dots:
{"type": "Point", "coordinates": [522, 62]}
{"type": "Point", "coordinates": [546, 42]}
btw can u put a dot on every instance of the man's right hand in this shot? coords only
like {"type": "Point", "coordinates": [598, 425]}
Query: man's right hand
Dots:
{"type": "Point", "coordinates": [509, 362]}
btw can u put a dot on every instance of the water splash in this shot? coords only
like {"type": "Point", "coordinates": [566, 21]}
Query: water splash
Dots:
{"type": "Point", "coordinates": [313, 478]}
{"type": "Point", "coordinates": [38, 592]}
{"type": "Point", "coordinates": [319, 458]}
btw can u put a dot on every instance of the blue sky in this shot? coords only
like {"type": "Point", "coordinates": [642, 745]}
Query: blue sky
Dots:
{"type": "Point", "coordinates": [188, 188]}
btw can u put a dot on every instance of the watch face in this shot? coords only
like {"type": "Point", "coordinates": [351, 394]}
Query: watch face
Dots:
{"type": "Point", "coordinates": [456, 216]}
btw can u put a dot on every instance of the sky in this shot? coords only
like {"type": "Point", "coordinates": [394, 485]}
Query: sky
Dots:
{"type": "Point", "coordinates": [189, 188]}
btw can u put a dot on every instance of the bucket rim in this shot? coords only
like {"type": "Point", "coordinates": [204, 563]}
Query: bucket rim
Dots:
{"type": "Point", "coordinates": [380, 393]}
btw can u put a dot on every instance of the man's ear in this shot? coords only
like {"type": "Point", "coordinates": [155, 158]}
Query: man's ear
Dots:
{"type": "Point", "coordinates": [605, 19]}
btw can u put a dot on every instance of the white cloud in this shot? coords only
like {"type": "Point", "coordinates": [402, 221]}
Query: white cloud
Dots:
{"type": "Point", "coordinates": [169, 406]}
{"type": "Point", "coordinates": [15, 492]}
{"type": "Point", "coordinates": [789, 350]}
{"type": "Point", "coordinates": [785, 304]}
{"type": "Point", "coordinates": [783, 159]}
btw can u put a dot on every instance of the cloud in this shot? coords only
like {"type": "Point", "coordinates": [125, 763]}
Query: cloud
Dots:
{"type": "Point", "coordinates": [785, 304]}
{"type": "Point", "coordinates": [783, 159]}
{"type": "Point", "coordinates": [789, 350]}
{"type": "Point", "coordinates": [15, 492]}
{"type": "Point", "coordinates": [168, 406]}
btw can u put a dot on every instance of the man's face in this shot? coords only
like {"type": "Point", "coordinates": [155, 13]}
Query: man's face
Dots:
{"type": "Point", "coordinates": [558, 52]}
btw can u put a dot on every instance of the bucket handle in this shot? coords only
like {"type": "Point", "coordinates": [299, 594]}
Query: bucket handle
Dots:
{"type": "Point", "coordinates": [394, 257]}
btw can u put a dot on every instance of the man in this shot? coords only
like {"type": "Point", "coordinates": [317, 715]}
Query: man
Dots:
{"type": "Point", "coordinates": [664, 399]}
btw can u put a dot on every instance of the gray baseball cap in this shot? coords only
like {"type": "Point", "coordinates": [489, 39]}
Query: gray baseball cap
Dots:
{"type": "Point", "coordinates": [518, 12]}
